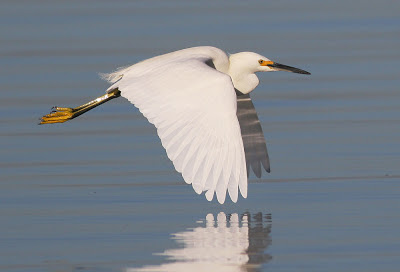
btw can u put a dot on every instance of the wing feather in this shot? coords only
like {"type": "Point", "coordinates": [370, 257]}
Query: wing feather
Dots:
{"type": "Point", "coordinates": [218, 183]}
{"type": "Point", "coordinates": [253, 137]}
{"type": "Point", "coordinates": [233, 179]}
{"type": "Point", "coordinates": [193, 107]}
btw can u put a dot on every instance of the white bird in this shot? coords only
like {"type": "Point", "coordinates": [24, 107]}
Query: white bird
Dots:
{"type": "Point", "coordinates": [198, 99]}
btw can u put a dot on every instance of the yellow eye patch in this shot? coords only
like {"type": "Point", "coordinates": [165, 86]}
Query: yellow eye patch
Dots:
{"type": "Point", "coordinates": [265, 63]}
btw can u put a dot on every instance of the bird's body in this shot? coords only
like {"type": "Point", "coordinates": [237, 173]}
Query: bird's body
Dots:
{"type": "Point", "coordinates": [198, 100]}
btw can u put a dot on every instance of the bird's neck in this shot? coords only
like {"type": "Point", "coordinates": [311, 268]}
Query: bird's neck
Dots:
{"type": "Point", "coordinates": [244, 82]}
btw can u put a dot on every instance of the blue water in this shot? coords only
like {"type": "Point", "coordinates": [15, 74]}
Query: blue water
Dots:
{"type": "Point", "coordinates": [99, 193]}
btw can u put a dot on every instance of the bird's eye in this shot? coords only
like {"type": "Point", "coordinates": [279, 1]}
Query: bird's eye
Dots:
{"type": "Point", "coordinates": [260, 61]}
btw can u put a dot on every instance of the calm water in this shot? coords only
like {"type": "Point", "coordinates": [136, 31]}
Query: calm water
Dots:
{"type": "Point", "coordinates": [99, 194]}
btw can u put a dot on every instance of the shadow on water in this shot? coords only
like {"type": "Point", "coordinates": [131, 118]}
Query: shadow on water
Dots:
{"type": "Point", "coordinates": [226, 243]}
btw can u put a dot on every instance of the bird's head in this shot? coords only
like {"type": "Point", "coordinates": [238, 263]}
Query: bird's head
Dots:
{"type": "Point", "coordinates": [244, 65]}
{"type": "Point", "coordinates": [253, 62]}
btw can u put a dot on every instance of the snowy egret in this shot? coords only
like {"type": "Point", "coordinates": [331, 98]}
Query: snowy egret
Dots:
{"type": "Point", "coordinates": [198, 99]}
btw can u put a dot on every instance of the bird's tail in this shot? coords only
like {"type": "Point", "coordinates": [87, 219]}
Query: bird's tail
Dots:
{"type": "Point", "coordinates": [114, 76]}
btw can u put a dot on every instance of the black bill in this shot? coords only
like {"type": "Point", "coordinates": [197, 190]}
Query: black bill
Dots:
{"type": "Point", "coordinates": [283, 67]}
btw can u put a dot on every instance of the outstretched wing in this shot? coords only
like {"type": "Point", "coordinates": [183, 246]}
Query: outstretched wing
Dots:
{"type": "Point", "coordinates": [193, 107]}
{"type": "Point", "coordinates": [254, 143]}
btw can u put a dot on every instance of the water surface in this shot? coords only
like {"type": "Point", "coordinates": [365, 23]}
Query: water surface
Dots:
{"type": "Point", "coordinates": [99, 194]}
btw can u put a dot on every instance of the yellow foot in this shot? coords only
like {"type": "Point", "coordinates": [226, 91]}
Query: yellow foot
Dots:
{"type": "Point", "coordinates": [55, 108]}
{"type": "Point", "coordinates": [57, 115]}
{"type": "Point", "coordinates": [61, 115]}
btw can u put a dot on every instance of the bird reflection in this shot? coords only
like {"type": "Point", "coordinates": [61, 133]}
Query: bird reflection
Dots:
{"type": "Point", "coordinates": [228, 243]}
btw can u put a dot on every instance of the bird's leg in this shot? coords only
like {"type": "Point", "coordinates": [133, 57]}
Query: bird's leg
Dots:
{"type": "Point", "coordinates": [61, 115]}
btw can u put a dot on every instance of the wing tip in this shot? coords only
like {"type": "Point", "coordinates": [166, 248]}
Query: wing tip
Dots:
{"type": "Point", "coordinates": [265, 163]}
{"type": "Point", "coordinates": [198, 189]}
{"type": "Point", "coordinates": [243, 192]}
{"type": "Point", "coordinates": [221, 196]}
{"type": "Point", "coordinates": [209, 195]}
{"type": "Point", "coordinates": [233, 193]}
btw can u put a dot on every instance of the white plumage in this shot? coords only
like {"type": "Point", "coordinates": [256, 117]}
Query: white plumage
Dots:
{"type": "Point", "coordinates": [193, 107]}
{"type": "Point", "coordinates": [198, 99]}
